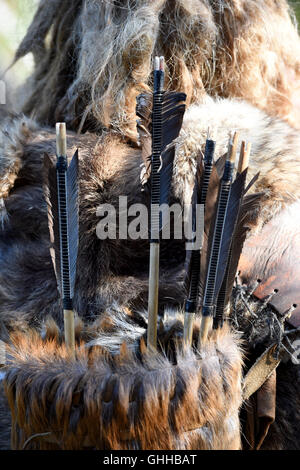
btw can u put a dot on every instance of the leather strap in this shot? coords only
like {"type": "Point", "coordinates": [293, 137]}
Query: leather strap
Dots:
{"type": "Point", "coordinates": [260, 414]}
{"type": "Point", "coordinates": [265, 408]}
{"type": "Point", "coordinates": [260, 371]}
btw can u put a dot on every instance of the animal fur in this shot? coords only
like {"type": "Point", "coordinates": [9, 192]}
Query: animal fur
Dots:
{"type": "Point", "coordinates": [248, 49]}
{"type": "Point", "coordinates": [5, 418]}
{"type": "Point", "coordinates": [125, 399]}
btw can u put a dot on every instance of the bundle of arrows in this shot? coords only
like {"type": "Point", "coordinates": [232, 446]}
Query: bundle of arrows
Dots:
{"type": "Point", "coordinates": [211, 269]}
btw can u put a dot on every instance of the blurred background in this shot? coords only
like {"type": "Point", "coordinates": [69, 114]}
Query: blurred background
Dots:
{"type": "Point", "coordinates": [296, 6]}
{"type": "Point", "coordinates": [15, 17]}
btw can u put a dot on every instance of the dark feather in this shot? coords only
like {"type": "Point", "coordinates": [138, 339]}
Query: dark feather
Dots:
{"type": "Point", "coordinates": [66, 272]}
{"type": "Point", "coordinates": [172, 115]}
{"type": "Point", "coordinates": [166, 173]}
{"type": "Point", "coordinates": [198, 189]}
{"type": "Point", "coordinates": [249, 203]}
{"type": "Point", "coordinates": [216, 239]}
{"type": "Point", "coordinates": [51, 195]}
{"type": "Point", "coordinates": [73, 223]}
{"type": "Point", "coordinates": [246, 207]}
{"type": "Point", "coordinates": [204, 184]}
{"type": "Point", "coordinates": [235, 197]}
{"type": "Point", "coordinates": [232, 244]}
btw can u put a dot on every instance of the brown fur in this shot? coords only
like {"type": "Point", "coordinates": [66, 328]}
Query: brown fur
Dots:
{"type": "Point", "coordinates": [236, 48]}
{"type": "Point", "coordinates": [5, 420]}
{"type": "Point", "coordinates": [126, 399]}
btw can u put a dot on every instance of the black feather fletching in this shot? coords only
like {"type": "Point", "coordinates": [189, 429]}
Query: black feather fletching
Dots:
{"type": "Point", "coordinates": [172, 116]}
{"type": "Point", "coordinates": [161, 121]}
{"type": "Point", "coordinates": [234, 202]}
{"type": "Point", "coordinates": [247, 205]}
{"type": "Point", "coordinates": [73, 221]}
{"type": "Point", "coordinates": [228, 247]}
{"type": "Point", "coordinates": [172, 110]}
{"type": "Point", "coordinates": [202, 180]}
{"type": "Point", "coordinates": [216, 237]}
{"type": "Point", "coordinates": [61, 195]}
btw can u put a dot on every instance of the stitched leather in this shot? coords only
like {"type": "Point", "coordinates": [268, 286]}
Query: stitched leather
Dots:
{"type": "Point", "coordinates": [273, 256]}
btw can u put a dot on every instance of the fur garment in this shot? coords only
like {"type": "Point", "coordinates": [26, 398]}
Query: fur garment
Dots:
{"type": "Point", "coordinates": [5, 418]}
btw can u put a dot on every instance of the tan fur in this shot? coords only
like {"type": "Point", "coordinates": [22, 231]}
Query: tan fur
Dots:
{"type": "Point", "coordinates": [119, 401]}
{"type": "Point", "coordinates": [5, 417]}
{"type": "Point", "coordinates": [235, 48]}
{"type": "Point", "coordinates": [15, 133]}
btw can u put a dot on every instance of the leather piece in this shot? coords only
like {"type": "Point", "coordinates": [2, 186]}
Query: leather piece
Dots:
{"type": "Point", "coordinates": [273, 256]}
{"type": "Point", "coordinates": [266, 408]}
{"type": "Point", "coordinates": [261, 410]}
{"type": "Point", "coordinates": [250, 424]}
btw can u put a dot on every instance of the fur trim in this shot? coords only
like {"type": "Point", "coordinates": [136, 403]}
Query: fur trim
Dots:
{"type": "Point", "coordinates": [192, 403]}
{"type": "Point", "coordinates": [14, 134]}
{"type": "Point", "coordinates": [5, 418]}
